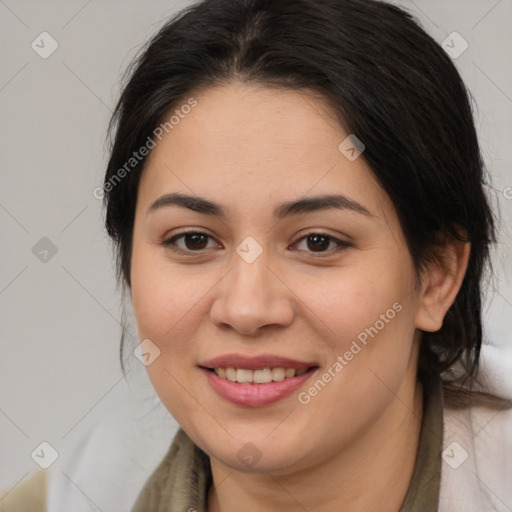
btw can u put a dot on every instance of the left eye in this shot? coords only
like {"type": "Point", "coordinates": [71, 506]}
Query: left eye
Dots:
{"type": "Point", "coordinates": [322, 241]}
{"type": "Point", "coordinates": [195, 241]}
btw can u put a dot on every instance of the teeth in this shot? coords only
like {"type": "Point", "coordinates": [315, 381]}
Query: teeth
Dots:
{"type": "Point", "coordinates": [244, 375]}
{"type": "Point", "coordinates": [278, 374]}
{"type": "Point", "coordinates": [231, 374]}
{"type": "Point", "coordinates": [289, 372]}
{"type": "Point", "coordinates": [262, 376]}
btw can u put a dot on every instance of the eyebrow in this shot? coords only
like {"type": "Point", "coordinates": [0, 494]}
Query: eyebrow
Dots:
{"type": "Point", "coordinates": [286, 209]}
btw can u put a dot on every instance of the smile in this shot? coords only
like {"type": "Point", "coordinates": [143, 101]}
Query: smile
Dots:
{"type": "Point", "coordinates": [249, 393]}
{"type": "Point", "coordinates": [263, 376]}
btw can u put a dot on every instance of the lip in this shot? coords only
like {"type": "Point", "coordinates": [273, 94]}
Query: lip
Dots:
{"type": "Point", "coordinates": [255, 362]}
{"type": "Point", "coordinates": [256, 395]}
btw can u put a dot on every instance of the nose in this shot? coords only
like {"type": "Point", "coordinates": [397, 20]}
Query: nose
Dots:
{"type": "Point", "coordinates": [252, 296]}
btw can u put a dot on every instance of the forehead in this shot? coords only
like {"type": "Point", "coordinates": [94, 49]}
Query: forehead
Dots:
{"type": "Point", "coordinates": [244, 143]}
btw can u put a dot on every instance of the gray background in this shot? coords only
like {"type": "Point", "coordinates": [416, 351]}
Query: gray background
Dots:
{"type": "Point", "coordinates": [59, 319]}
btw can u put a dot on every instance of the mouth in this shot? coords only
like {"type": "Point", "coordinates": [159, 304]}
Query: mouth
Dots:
{"type": "Point", "coordinates": [261, 376]}
{"type": "Point", "coordinates": [256, 381]}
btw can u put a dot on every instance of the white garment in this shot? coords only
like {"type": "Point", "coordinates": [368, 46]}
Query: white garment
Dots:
{"type": "Point", "coordinates": [483, 482]}
{"type": "Point", "coordinates": [111, 464]}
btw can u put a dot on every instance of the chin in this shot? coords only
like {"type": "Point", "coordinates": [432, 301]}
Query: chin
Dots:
{"type": "Point", "coordinates": [256, 454]}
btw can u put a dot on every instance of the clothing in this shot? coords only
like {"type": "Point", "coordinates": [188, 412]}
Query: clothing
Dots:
{"type": "Point", "coordinates": [29, 496]}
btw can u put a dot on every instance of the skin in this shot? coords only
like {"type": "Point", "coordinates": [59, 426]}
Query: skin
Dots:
{"type": "Point", "coordinates": [353, 446]}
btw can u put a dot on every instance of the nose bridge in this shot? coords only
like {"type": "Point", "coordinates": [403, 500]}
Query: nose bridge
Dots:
{"type": "Point", "coordinates": [251, 295]}
{"type": "Point", "coordinates": [251, 275]}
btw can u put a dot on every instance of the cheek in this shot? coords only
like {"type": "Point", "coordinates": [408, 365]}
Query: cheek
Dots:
{"type": "Point", "coordinates": [354, 300]}
{"type": "Point", "coordinates": [369, 312]}
{"type": "Point", "coordinates": [161, 294]}
{"type": "Point", "coordinates": [370, 320]}
{"type": "Point", "coordinates": [166, 305]}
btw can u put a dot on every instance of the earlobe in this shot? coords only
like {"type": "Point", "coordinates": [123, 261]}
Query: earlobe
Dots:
{"type": "Point", "coordinates": [441, 281]}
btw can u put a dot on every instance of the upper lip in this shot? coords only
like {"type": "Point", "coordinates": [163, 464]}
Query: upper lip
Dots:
{"type": "Point", "coordinates": [255, 362]}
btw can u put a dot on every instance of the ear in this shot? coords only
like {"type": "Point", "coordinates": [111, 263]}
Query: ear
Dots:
{"type": "Point", "coordinates": [440, 283]}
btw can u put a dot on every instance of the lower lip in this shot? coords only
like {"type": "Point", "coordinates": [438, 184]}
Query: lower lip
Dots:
{"type": "Point", "coordinates": [255, 395]}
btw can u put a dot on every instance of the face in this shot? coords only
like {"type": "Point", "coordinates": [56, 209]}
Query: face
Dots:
{"type": "Point", "coordinates": [327, 286]}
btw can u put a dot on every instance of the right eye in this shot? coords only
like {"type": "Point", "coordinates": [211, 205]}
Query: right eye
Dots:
{"type": "Point", "coordinates": [193, 242]}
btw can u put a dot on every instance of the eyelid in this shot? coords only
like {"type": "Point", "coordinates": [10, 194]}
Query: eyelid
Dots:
{"type": "Point", "coordinates": [341, 244]}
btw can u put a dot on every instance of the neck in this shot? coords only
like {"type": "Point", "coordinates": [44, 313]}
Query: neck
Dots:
{"type": "Point", "coordinates": [373, 473]}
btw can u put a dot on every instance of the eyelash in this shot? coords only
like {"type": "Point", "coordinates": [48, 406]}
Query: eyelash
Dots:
{"type": "Point", "coordinates": [169, 243]}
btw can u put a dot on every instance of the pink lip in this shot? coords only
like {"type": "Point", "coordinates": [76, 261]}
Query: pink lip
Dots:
{"type": "Point", "coordinates": [255, 363]}
{"type": "Point", "coordinates": [255, 395]}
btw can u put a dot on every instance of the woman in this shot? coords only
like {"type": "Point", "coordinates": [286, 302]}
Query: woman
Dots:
{"type": "Point", "coordinates": [295, 193]}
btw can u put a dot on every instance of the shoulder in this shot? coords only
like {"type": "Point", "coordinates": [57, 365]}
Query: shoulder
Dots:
{"type": "Point", "coordinates": [28, 495]}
